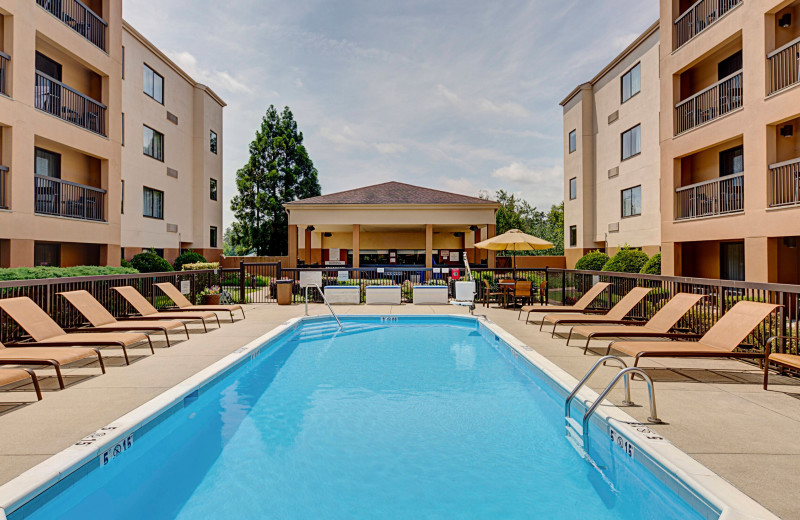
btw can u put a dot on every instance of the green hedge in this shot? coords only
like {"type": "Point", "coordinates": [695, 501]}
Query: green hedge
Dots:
{"type": "Point", "coordinates": [626, 260]}
{"type": "Point", "coordinates": [149, 262]}
{"type": "Point", "coordinates": [653, 266]}
{"type": "Point", "coordinates": [39, 273]}
{"type": "Point", "coordinates": [189, 257]}
{"type": "Point", "coordinates": [592, 261]}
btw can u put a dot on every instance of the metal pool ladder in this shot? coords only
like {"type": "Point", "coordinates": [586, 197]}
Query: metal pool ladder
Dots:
{"type": "Point", "coordinates": [321, 293]}
{"type": "Point", "coordinates": [622, 374]}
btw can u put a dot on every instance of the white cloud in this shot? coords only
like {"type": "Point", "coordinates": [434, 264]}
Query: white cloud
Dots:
{"type": "Point", "coordinates": [481, 104]}
{"type": "Point", "coordinates": [520, 173]}
{"type": "Point", "coordinates": [390, 148]}
{"type": "Point", "coordinates": [217, 80]}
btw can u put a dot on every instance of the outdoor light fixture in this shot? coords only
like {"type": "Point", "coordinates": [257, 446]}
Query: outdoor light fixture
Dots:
{"type": "Point", "coordinates": [327, 235]}
{"type": "Point", "coordinates": [310, 228]}
{"type": "Point", "coordinates": [785, 20]}
{"type": "Point", "coordinates": [790, 242]}
{"type": "Point", "coordinates": [473, 228]}
{"type": "Point", "coordinates": [787, 131]}
{"type": "Point", "coordinates": [458, 234]}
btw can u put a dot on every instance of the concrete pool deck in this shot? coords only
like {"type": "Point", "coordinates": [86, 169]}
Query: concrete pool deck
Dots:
{"type": "Point", "coordinates": [715, 410]}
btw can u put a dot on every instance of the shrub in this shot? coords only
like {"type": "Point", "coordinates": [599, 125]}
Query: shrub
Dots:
{"type": "Point", "coordinates": [125, 263]}
{"type": "Point", "coordinates": [653, 266]}
{"type": "Point", "coordinates": [626, 260]}
{"type": "Point", "coordinates": [39, 273]}
{"type": "Point", "coordinates": [189, 257]}
{"type": "Point", "coordinates": [592, 261]}
{"type": "Point", "coordinates": [199, 266]}
{"type": "Point", "coordinates": [149, 262]}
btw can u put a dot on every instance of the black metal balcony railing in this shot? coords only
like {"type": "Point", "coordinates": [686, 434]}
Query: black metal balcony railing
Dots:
{"type": "Point", "coordinates": [711, 198]}
{"type": "Point", "coordinates": [699, 17]}
{"type": "Point", "coordinates": [784, 66]}
{"type": "Point", "coordinates": [3, 191]}
{"type": "Point", "coordinates": [68, 199]}
{"type": "Point", "coordinates": [710, 103]}
{"type": "Point", "coordinates": [4, 59]}
{"type": "Point", "coordinates": [80, 18]}
{"type": "Point", "coordinates": [784, 184]}
{"type": "Point", "coordinates": [55, 98]}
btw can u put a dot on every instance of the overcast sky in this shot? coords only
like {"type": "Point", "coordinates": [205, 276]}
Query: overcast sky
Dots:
{"type": "Point", "coordinates": [455, 95]}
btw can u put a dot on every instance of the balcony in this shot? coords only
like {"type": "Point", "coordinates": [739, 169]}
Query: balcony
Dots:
{"type": "Point", "coordinates": [58, 99]}
{"type": "Point", "coordinates": [784, 184]}
{"type": "Point", "coordinates": [4, 59]}
{"type": "Point", "coordinates": [783, 67]}
{"type": "Point", "coordinates": [699, 17]}
{"type": "Point", "coordinates": [710, 103]}
{"type": "Point", "coordinates": [3, 189]}
{"type": "Point", "coordinates": [78, 17]}
{"type": "Point", "coordinates": [61, 198]}
{"type": "Point", "coordinates": [721, 196]}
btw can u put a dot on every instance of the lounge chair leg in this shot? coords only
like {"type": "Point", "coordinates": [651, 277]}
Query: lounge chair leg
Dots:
{"type": "Point", "coordinates": [243, 316]}
{"type": "Point", "coordinates": [541, 324]}
{"type": "Point", "coordinates": [553, 334]}
{"type": "Point", "coordinates": [186, 328]}
{"type": "Point", "coordinates": [569, 336]}
{"type": "Point", "coordinates": [636, 359]}
{"type": "Point", "coordinates": [166, 335]}
{"type": "Point", "coordinates": [59, 376]}
{"type": "Point", "coordinates": [150, 341]}
{"type": "Point", "coordinates": [35, 381]}
{"type": "Point", "coordinates": [125, 353]}
{"type": "Point", "coordinates": [219, 325]}
{"type": "Point", "coordinates": [528, 317]}
{"type": "Point", "coordinates": [586, 347]}
{"type": "Point", "coordinates": [231, 316]}
{"type": "Point", "coordinates": [766, 374]}
{"type": "Point", "coordinates": [205, 327]}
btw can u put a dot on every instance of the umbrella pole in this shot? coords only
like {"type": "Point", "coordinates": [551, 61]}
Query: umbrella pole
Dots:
{"type": "Point", "coordinates": [514, 260]}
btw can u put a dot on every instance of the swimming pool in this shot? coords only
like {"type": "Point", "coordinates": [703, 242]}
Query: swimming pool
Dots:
{"type": "Point", "coordinates": [392, 417]}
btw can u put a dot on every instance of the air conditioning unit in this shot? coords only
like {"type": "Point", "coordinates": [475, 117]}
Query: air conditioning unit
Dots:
{"type": "Point", "coordinates": [172, 228]}
{"type": "Point", "coordinates": [613, 227]}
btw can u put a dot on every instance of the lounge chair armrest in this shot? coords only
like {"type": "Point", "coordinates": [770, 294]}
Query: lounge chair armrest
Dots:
{"type": "Point", "coordinates": [773, 339]}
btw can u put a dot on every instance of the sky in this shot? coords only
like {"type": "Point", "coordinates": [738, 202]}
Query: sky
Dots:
{"type": "Point", "coordinates": [454, 95]}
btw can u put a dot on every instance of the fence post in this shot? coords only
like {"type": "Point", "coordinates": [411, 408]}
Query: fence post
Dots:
{"type": "Point", "coordinates": [194, 287]}
{"type": "Point", "coordinates": [242, 276]}
{"type": "Point", "coordinates": [564, 287]}
{"type": "Point", "coordinates": [783, 328]}
{"type": "Point", "coordinates": [278, 271]}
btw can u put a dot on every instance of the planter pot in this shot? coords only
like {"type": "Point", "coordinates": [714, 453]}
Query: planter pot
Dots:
{"type": "Point", "coordinates": [211, 299]}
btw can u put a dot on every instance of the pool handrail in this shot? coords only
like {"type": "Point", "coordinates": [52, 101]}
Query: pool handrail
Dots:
{"type": "Point", "coordinates": [322, 293]}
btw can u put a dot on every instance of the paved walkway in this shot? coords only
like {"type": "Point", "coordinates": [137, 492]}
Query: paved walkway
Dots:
{"type": "Point", "coordinates": [715, 410]}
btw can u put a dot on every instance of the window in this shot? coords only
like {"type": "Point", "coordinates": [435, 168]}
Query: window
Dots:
{"type": "Point", "coordinates": [153, 143]}
{"type": "Point", "coordinates": [729, 65]}
{"type": "Point", "coordinates": [47, 163]}
{"type": "Point", "coordinates": [47, 66]}
{"type": "Point", "coordinates": [573, 236]}
{"type": "Point", "coordinates": [153, 203]}
{"type": "Point", "coordinates": [122, 197]}
{"type": "Point", "coordinates": [212, 239]}
{"type": "Point", "coordinates": [212, 142]}
{"type": "Point", "coordinates": [153, 84]}
{"type": "Point", "coordinates": [123, 62]}
{"type": "Point", "coordinates": [731, 256]}
{"type": "Point", "coordinates": [731, 161]}
{"type": "Point", "coordinates": [632, 202]}
{"type": "Point", "coordinates": [123, 129]}
{"type": "Point", "coordinates": [573, 188]}
{"type": "Point", "coordinates": [573, 141]}
{"type": "Point", "coordinates": [47, 253]}
{"type": "Point", "coordinates": [631, 82]}
{"type": "Point", "coordinates": [212, 189]}
{"type": "Point", "coordinates": [632, 142]}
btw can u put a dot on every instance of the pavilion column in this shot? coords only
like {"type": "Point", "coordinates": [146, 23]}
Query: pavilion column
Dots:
{"type": "Point", "coordinates": [477, 253]}
{"type": "Point", "coordinates": [491, 231]}
{"type": "Point", "coordinates": [356, 245]}
{"type": "Point", "coordinates": [308, 246]}
{"type": "Point", "coordinates": [292, 245]}
{"type": "Point", "coordinates": [428, 247]}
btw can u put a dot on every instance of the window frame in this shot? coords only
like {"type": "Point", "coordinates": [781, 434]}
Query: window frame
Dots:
{"type": "Point", "coordinates": [213, 236]}
{"type": "Point", "coordinates": [153, 191]}
{"type": "Point", "coordinates": [573, 183]}
{"type": "Point", "coordinates": [144, 78]}
{"type": "Point", "coordinates": [213, 189]}
{"type": "Point", "coordinates": [622, 142]}
{"type": "Point", "coordinates": [622, 202]}
{"type": "Point", "coordinates": [573, 133]}
{"type": "Point", "coordinates": [144, 148]}
{"type": "Point", "coordinates": [573, 236]}
{"type": "Point", "coordinates": [213, 142]}
{"type": "Point", "coordinates": [122, 197]}
{"type": "Point", "coordinates": [622, 97]}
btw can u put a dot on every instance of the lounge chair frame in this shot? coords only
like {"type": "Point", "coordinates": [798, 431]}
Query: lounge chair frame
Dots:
{"type": "Point", "coordinates": [34, 380]}
{"type": "Point", "coordinates": [185, 305]}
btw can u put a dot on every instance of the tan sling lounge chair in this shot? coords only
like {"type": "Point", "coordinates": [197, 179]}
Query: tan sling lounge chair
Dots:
{"type": "Point", "coordinates": [784, 360]}
{"type": "Point", "coordinates": [10, 376]}
{"type": "Point", "coordinates": [103, 321]}
{"type": "Point", "coordinates": [55, 357]}
{"type": "Point", "coordinates": [720, 341]}
{"type": "Point", "coordinates": [659, 326]}
{"type": "Point", "coordinates": [46, 332]}
{"type": "Point", "coordinates": [184, 305]}
{"type": "Point", "coordinates": [616, 314]}
{"type": "Point", "coordinates": [580, 306]}
{"type": "Point", "coordinates": [146, 309]}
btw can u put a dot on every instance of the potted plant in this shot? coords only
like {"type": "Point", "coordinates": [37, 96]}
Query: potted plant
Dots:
{"type": "Point", "coordinates": [211, 295]}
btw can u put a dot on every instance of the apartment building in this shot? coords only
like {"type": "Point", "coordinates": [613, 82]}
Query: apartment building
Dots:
{"type": "Point", "coordinates": [611, 155]}
{"type": "Point", "coordinates": [730, 139]}
{"type": "Point", "coordinates": [63, 166]}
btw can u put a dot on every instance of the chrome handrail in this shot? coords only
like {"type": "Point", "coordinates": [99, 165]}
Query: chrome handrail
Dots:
{"type": "Point", "coordinates": [591, 371]}
{"type": "Point", "coordinates": [323, 299]}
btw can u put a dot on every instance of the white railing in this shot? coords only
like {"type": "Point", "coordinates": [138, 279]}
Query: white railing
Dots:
{"type": "Point", "coordinates": [699, 17]}
{"type": "Point", "coordinates": [784, 184]}
{"type": "Point", "coordinates": [784, 66]}
{"type": "Point", "coordinates": [709, 198]}
{"type": "Point", "coordinates": [710, 103]}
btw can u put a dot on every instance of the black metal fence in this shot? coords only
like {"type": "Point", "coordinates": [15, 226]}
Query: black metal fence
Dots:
{"type": "Point", "coordinates": [80, 18]}
{"type": "Point", "coordinates": [60, 100]}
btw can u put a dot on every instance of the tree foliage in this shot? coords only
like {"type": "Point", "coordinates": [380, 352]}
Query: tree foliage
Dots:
{"type": "Point", "coordinates": [279, 170]}
{"type": "Point", "coordinates": [517, 213]}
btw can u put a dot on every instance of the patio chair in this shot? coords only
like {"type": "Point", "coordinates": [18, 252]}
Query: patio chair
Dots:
{"type": "Point", "coordinates": [580, 306]}
{"type": "Point", "coordinates": [146, 309]}
{"type": "Point", "coordinates": [103, 321]}
{"type": "Point", "coordinates": [616, 314]}
{"type": "Point", "coordinates": [783, 360]}
{"type": "Point", "coordinates": [721, 340]}
{"type": "Point", "coordinates": [47, 333]}
{"type": "Point", "coordinates": [522, 291]}
{"type": "Point", "coordinates": [487, 293]}
{"type": "Point", "coordinates": [9, 376]}
{"type": "Point", "coordinates": [185, 305]}
{"type": "Point", "coordinates": [659, 326]}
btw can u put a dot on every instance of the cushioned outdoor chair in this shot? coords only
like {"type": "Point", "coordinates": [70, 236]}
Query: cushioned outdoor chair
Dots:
{"type": "Point", "coordinates": [581, 305]}
{"type": "Point", "coordinates": [103, 321]}
{"type": "Point", "coordinates": [185, 305]}
{"type": "Point", "coordinates": [146, 309]}
{"type": "Point", "coordinates": [659, 326]}
{"type": "Point", "coordinates": [523, 291]}
{"type": "Point", "coordinates": [616, 314]}
{"type": "Point", "coordinates": [55, 357]}
{"type": "Point", "coordinates": [791, 361]}
{"type": "Point", "coordinates": [9, 376]}
{"type": "Point", "coordinates": [46, 333]}
{"type": "Point", "coordinates": [721, 339]}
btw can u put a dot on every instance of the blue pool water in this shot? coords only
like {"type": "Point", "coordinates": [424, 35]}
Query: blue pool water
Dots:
{"type": "Point", "coordinates": [423, 418]}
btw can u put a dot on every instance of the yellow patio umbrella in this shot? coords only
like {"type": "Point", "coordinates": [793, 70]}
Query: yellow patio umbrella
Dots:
{"type": "Point", "coordinates": [514, 240]}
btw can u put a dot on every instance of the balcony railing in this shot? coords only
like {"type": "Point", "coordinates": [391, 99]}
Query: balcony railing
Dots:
{"type": "Point", "coordinates": [68, 199]}
{"type": "Point", "coordinates": [699, 17]}
{"type": "Point", "coordinates": [55, 98]}
{"type": "Point", "coordinates": [711, 103]}
{"type": "Point", "coordinates": [3, 189]}
{"type": "Point", "coordinates": [710, 198]}
{"type": "Point", "coordinates": [79, 17]}
{"type": "Point", "coordinates": [784, 66]}
{"type": "Point", "coordinates": [784, 184]}
{"type": "Point", "coordinates": [4, 59]}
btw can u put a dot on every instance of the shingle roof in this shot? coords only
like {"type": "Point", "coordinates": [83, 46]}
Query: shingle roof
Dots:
{"type": "Point", "coordinates": [392, 193]}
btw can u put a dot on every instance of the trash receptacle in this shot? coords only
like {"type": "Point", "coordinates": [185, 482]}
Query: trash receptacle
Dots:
{"type": "Point", "coordinates": [284, 290]}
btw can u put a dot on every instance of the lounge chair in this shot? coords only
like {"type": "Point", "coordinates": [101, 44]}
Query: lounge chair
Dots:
{"type": "Point", "coordinates": [46, 332]}
{"type": "Point", "coordinates": [146, 309]}
{"type": "Point", "coordinates": [580, 306]}
{"type": "Point", "coordinates": [784, 360]}
{"type": "Point", "coordinates": [659, 326]}
{"type": "Point", "coordinates": [720, 341]}
{"type": "Point", "coordinates": [616, 314]}
{"type": "Point", "coordinates": [103, 321]}
{"type": "Point", "coordinates": [9, 376]}
{"type": "Point", "coordinates": [184, 305]}
{"type": "Point", "coordinates": [55, 357]}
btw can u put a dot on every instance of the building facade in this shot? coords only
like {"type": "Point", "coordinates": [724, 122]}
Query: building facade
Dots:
{"type": "Point", "coordinates": [611, 155]}
{"type": "Point", "coordinates": [62, 164]}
